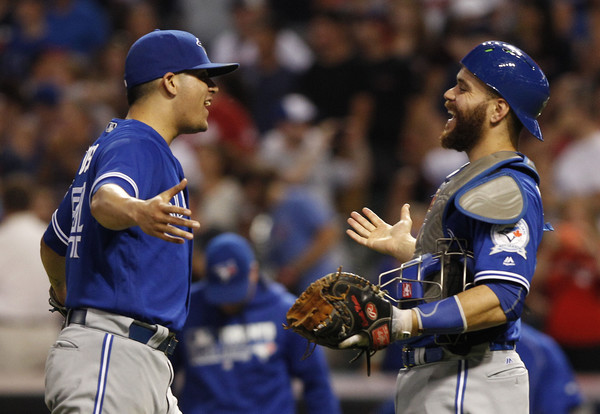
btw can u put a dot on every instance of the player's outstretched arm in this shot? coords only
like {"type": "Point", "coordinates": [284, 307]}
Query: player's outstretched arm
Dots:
{"type": "Point", "coordinates": [371, 231]}
{"type": "Point", "coordinates": [117, 210]}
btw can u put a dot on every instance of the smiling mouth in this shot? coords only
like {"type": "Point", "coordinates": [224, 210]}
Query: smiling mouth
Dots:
{"type": "Point", "coordinates": [451, 112]}
{"type": "Point", "coordinates": [207, 103]}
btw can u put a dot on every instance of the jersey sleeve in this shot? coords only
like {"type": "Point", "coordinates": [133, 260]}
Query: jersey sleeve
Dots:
{"type": "Point", "coordinates": [125, 163]}
{"type": "Point", "coordinates": [57, 233]}
{"type": "Point", "coordinates": [507, 252]}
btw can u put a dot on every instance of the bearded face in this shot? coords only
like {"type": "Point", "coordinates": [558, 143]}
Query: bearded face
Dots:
{"type": "Point", "coordinates": [463, 131]}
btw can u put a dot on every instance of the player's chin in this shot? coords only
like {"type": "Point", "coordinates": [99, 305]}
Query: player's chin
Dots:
{"type": "Point", "coordinates": [197, 127]}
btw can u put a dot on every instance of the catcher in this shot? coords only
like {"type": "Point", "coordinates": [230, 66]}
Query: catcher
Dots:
{"type": "Point", "coordinates": [459, 294]}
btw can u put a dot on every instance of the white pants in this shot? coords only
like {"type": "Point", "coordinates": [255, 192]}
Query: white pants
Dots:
{"type": "Point", "coordinates": [490, 382]}
{"type": "Point", "coordinates": [93, 371]}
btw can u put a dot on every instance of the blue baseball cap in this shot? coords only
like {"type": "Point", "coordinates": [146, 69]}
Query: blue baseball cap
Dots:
{"type": "Point", "coordinates": [229, 260]}
{"type": "Point", "coordinates": [163, 51]}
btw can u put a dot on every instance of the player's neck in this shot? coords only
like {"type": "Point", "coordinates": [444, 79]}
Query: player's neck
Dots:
{"type": "Point", "coordinates": [490, 144]}
{"type": "Point", "coordinates": [145, 114]}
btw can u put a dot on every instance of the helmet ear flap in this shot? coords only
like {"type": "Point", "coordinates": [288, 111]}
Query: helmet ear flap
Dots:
{"type": "Point", "coordinates": [515, 76]}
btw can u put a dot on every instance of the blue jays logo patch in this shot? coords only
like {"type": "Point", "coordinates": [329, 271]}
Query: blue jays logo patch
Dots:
{"type": "Point", "coordinates": [511, 238]}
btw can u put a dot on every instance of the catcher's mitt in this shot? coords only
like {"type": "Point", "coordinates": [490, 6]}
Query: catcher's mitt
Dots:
{"type": "Point", "coordinates": [338, 306]}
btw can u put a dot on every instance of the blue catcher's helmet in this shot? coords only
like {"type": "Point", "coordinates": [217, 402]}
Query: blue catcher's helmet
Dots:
{"type": "Point", "coordinates": [515, 76]}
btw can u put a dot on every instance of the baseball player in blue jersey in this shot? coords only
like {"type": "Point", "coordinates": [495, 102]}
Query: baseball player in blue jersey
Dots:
{"type": "Point", "coordinates": [234, 354]}
{"type": "Point", "coordinates": [553, 388]}
{"type": "Point", "coordinates": [464, 279]}
{"type": "Point", "coordinates": [118, 249]}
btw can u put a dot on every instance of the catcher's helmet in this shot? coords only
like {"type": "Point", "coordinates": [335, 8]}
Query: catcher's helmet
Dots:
{"type": "Point", "coordinates": [515, 76]}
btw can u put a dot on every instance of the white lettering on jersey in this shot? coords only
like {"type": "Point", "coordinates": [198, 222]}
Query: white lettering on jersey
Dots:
{"type": "Point", "coordinates": [512, 238]}
{"type": "Point", "coordinates": [87, 159]}
{"type": "Point", "coordinates": [232, 343]}
{"type": "Point", "coordinates": [178, 201]}
{"type": "Point", "coordinates": [77, 195]}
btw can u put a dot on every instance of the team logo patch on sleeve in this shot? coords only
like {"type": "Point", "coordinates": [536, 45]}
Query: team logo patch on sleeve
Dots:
{"type": "Point", "coordinates": [511, 238]}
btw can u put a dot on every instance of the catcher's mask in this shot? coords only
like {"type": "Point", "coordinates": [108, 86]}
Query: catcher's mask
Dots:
{"type": "Point", "coordinates": [429, 277]}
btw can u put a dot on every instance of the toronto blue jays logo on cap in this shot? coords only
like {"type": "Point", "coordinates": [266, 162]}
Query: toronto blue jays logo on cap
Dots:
{"type": "Point", "coordinates": [225, 270]}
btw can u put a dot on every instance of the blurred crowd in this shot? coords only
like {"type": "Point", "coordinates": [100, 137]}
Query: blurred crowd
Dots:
{"type": "Point", "coordinates": [337, 105]}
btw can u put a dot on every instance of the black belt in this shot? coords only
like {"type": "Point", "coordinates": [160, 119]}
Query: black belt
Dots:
{"type": "Point", "coordinates": [421, 355]}
{"type": "Point", "coordinates": [138, 331]}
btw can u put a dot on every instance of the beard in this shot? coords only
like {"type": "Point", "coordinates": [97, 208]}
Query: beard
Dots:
{"type": "Point", "coordinates": [467, 130]}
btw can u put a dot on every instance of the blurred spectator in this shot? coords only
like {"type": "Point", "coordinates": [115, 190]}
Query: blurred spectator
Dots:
{"type": "Point", "coordinates": [337, 84]}
{"type": "Point", "coordinates": [235, 355]}
{"type": "Point", "coordinates": [233, 127]}
{"type": "Point", "coordinates": [139, 18]}
{"type": "Point", "coordinates": [537, 30]}
{"type": "Point", "coordinates": [336, 81]}
{"type": "Point", "coordinates": [237, 45]}
{"type": "Point", "coordinates": [80, 26]}
{"type": "Point", "coordinates": [27, 37]}
{"type": "Point", "coordinates": [208, 21]}
{"type": "Point", "coordinates": [220, 193]}
{"type": "Point", "coordinates": [74, 132]}
{"type": "Point", "coordinates": [390, 81]}
{"type": "Point", "coordinates": [103, 86]}
{"type": "Point", "coordinates": [27, 329]}
{"type": "Point", "coordinates": [267, 80]}
{"type": "Point", "coordinates": [302, 153]}
{"type": "Point", "coordinates": [21, 151]}
{"type": "Point", "coordinates": [576, 166]}
{"type": "Point", "coordinates": [303, 232]}
{"type": "Point", "coordinates": [565, 293]}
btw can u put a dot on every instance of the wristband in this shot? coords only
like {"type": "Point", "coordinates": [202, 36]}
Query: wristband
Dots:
{"type": "Point", "coordinates": [445, 316]}
{"type": "Point", "coordinates": [401, 323]}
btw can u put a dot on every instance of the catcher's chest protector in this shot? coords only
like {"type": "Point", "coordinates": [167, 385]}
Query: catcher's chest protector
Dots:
{"type": "Point", "coordinates": [469, 176]}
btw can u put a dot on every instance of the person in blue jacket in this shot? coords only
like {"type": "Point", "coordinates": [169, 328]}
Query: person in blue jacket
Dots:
{"type": "Point", "coordinates": [553, 388]}
{"type": "Point", "coordinates": [235, 355]}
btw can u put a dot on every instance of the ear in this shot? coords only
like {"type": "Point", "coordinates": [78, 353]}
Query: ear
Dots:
{"type": "Point", "coordinates": [500, 110]}
{"type": "Point", "coordinates": [254, 273]}
{"type": "Point", "coordinates": [169, 83]}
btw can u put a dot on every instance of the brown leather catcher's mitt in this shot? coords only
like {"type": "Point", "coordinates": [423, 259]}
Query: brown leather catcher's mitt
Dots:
{"type": "Point", "coordinates": [338, 306]}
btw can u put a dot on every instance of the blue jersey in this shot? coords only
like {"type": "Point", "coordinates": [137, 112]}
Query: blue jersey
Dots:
{"type": "Point", "coordinates": [491, 208]}
{"type": "Point", "coordinates": [296, 221]}
{"type": "Point", "coordinates": [552, 383]}
{"type": "Point", "coordinates": [124, 272]}
{"type": "Point", "coordinates": [504, 252]}
{"type": "Point", "coordinates": [245, 363]}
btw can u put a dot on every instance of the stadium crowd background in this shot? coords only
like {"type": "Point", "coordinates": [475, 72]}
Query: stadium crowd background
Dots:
{"type": "Point", "coordinates": [341, 98]}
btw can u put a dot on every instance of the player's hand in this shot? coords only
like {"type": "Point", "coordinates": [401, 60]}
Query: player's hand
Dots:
{"type": "Point", "coordinates": [158, 217]}
{"type": "Point", "coordinates": [369, 230]}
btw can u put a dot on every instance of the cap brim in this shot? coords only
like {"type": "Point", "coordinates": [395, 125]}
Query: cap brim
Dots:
{"type": "Point", "coordinates": [218, 69]}
{"type": "Point", "coordinates": [228, 293]}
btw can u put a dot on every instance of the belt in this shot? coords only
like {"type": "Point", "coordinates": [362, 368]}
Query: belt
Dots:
{"type": "Point", "coordinates": [419, 356]}
{"type": "Point", "coordinates": [124, 326]}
